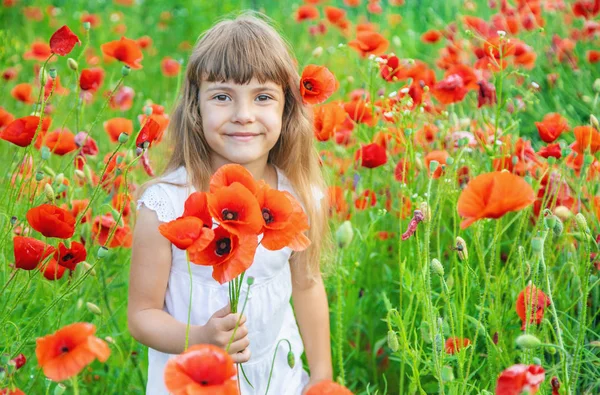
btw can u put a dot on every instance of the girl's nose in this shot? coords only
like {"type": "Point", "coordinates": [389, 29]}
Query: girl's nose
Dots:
{"type": "Point", "coordinates": [244, 112]}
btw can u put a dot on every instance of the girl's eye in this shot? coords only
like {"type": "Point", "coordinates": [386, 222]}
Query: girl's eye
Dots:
{"type": "Point", "coordinates": [263, 97]}
{"type": "Point", "coordinates": [221, 97]}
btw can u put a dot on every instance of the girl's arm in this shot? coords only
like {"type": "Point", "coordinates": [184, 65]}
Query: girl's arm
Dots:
{"type": "Point", "coordinates": [312, 314]}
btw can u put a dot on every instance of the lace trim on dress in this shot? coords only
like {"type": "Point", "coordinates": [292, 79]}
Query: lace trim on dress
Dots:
{"type": "Point", "coordinates": [157, 201]}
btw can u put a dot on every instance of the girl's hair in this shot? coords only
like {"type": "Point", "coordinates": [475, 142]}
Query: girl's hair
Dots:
{"type": "Point", "coordinates": [238, 50]}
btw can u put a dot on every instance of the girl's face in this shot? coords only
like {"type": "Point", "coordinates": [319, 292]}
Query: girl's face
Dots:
{"type": "Point", "coordinates": [241, 123]}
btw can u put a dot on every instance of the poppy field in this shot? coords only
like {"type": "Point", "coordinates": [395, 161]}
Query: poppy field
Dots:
{"type": "Point", "coordinates": [460, 143]}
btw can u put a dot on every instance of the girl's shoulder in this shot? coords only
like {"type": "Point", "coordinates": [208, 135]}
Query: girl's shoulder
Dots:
{"type": "Point", "coordinates": [166, 195]}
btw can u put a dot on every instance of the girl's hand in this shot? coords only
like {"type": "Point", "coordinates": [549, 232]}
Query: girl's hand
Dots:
{"type": "Point", "coordinates": [219, 329]}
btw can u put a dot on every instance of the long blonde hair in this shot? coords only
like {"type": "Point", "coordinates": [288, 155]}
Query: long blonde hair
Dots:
{"type": "Point", "coordinates": [238, 50]}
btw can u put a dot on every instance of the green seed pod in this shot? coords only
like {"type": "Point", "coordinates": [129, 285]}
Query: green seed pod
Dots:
{"type": "Point", "coordinates": [123, 138]}
{"type": "Point", "coordinates": [102, 252]}
{"type": "Point", "coordinates": [52, 73]}
{"type": "Point", "coordinates": [528, 341]}
{"type": "Point", "coordinates": [250, 280]}
{"type": "Point", "coordinates": [344, 234]}
{"type": "Point", "coordinates": [93, 308]}
{"type": "Point", "coordinates": [87, 25]}
{"type": "Point", "coordinates": [60, 389]}
{"type": "Point", "coordinates": [392, 341]}
{"type": "Point", "coordinates": [437, 267]}
{"type": "Point", "coordinates": [537, 244]}
{"type": "Point", "coordinates": [125, 71]}
{"type": "Point", "coordinates": [550, 221]}
{"type": "Point", "coordinates": [43, 76]}
{"type": "Point", "coordinates": [39, 176]}
{"type": "Point", "coordinates": [72, 63]}
{"type": "Point", "coordinates": [558, 227]}
{"type": "Point", "coordinates": [291, 359]}
{"type": "Point", "coordinates": [433, 165]}
{"type": "Point", "coordinates": [450, 161]}
{"type": "Point", "coordinates": [582, 223]}
{"type": "Point", "coordinates": [45, 153]}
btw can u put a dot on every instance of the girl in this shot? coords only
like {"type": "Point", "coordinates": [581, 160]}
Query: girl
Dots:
{"type": "Point", "coordinates": [241, 103]}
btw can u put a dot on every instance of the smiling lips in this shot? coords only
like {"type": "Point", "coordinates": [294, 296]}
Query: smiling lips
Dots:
{"type": "Point", "coordinates": [242, 136]}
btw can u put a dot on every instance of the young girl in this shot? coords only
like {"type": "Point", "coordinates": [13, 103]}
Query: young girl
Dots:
{"type": "Point", "coordinates": [241, 103]}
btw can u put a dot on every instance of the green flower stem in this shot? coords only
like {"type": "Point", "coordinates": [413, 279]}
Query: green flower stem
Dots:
{"type": "Point", "coordinates": [339, 322]}
{"type": "Point", "coordinates": [189, 314]}
{"type": "Point", "coordinates": [273, 362]}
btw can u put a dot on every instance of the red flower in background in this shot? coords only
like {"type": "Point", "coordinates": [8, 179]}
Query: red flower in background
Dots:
{"type": "Point", "coordinates": [450, 90]}
{"type": "Point", "coordinates": [148, 134]}
{"type": "Point", "coordinates": [360, 112]}
{"type": "Point", "coordinates": [201, 369]}
{"type": "Point", "coordinates": [487, 94]}
{"type": "Point", "coordinates": [63, 40]}
{"type": "Point", "coordinates": [491, 195]}
{"type": "Point", "coordinates": [538, 303]}
{"type": "Point", "coordinates": [551, 127]}
{"type": "Point", "coordinates": [60, 142]}
{"type": "Point", "coordinates": [51, 221]}
{"type": "Point", "coordinates": [317, 84]}
{"type": "Point", "coordinates": [29, 252]}
{"type": "Point", "coordinates": [52, 271]}
{"type": "Point", "coordinates": [21, 131]}
{"type": "Point", "coordinates": [67, 351]}
{"type": "Point", "coordinates": [431, 36]}
{"type": "Point", "coordinates": [328, 119]}
{"type": "Point", "coordinates": [306, 12]}
{"type": "Point", "coordinates": [520, 378]}
{"type": "Point", "coordinates": [22, 92]}
{"type": "Point", "coordinates": [115, 126]}
{"type": "Point", "coordinates": [91, 79]}
{"type": "Point", "coordinates": [39, 51]}
{"type": "Point", "coordinates": [369, 43]}
{"type": "Point", "coordinates": [439, 156]}
{"type": "Point", "coordinates": [455, 344]}
{"type": "Point", "coordinates": [371, 156]}
{"type": "Point", "coordinates": [586, 137]}
{"type": "Point", "coordinates": [170, 67]}
{"type": "Point", "coordinates": [102, 227]}
{"type": "Point", "coordinates": [70, 257]}
{"type": "Point", "coordinates": [551, 150]}
{"type": "Point", "coordinates": [124, 50]}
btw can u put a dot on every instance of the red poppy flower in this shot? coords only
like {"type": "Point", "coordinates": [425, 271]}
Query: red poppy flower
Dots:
{"type": "Point", "coordinates": [196, 205]}
{"type": "Point", "coordinates": [450, 90]}
{"type": "Point", "coordinates": [441, 157]}
{"type": "Point", "coordinates": [51, 221]}
{"type": "Point", "coordinates": [228, 253]}
{"type": "Point", "coordinates": [170, 67]}
{"type": "Point", "coordinates": [491, 195]}
{"type": "Point", "coordinates": [201, 369]}
{"type": "Point", "coordinates": [431, 36]}
{"type": "Point", "coordinates": [184, 232]}
{"type": "Point", "coordinates": [21, 131]}
{"type": "Point", "coordinates": [371, 156]}
{"type": "Point", "coordinates": [328, 387]}
{"type": "Point", "coordinates": [91, 79]}
{"type": "Point", "coordinates": [66, 352]}
{"type": "Point", "coordinates": [148, 134]}
{"type": "Point", "coordinates": [328, 118]}
{"type": "Point", "coordinates": [539, 301]}
{"type": "Point", "coordinates": [102, 227]}
{"type": "Point", "coordinates": [306, 12]}
{"type": "Point", "coordinates": [22, 92]}
{"type": "Point", "coordinates": [63, 40]}
{"type": "Point", "coordinates": [486, 94]}
{"type": "Point", "coordinates": [52, 271]}
{"type": "Point", "coordinates": [284, 220]}
{"type": "Point", "coordinates": [230, 173]}
{"type": "Point", "coordinates": [360, 112]}
{"type": "Point", "coordinates": [455, 344]}
{"type": "Point", "coordinates": [124, 50]}
{"type": "Point", "coordinates": [551, 127]}
{"type": "Point", "coordinates": [60, 142]}
{"type": "Point", "coordinates": [236, 209]}
{"type": "Point", "coordinates": [366, 199]}
{"type": "Point", "coordinates": [337, 202]}
{"type": "Point", "coordinates": [39, 51]}
{"type": "Point", "coordinates": [29, 252]}
{"type": "Point", "coordinates": [160, 118]}
{"type": "Point", "coordinates": [115, 126]}
{"type": "Point", "coordinates": [70, 257]}
{"type": "Point", "coordinates": [593, 56]}
{"type": "Point", "coordinates": [586, 137]}
{"type": "Point", "coordinates": [8, 391]}
{"type": "Point", "coordinates": [334, 14]}
{"type": "Point", "coordinates": [5, 118]}
{"type": "Point", "coordinates": [550, 150]}
{"type": "Point", "coordinates": [317, 84]}
{"type": "Point", "coordinates": [520, 379]}
{"type": "Point", "coordinates": [393, 69]}
{"type": "Point", "coordinates": [369, 43]}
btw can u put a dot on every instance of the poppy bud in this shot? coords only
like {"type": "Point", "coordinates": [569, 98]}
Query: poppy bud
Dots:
{"type": "Point", "coordinates": [291, 359]}
{"type": "Point", "coordinates": [39, 176]}
{"type": "Point", "coordinates": [550, 221]}
{"type": "Point", "coordinates": [43, 76]}
{"type": "Point", "coordinates": [450, 161]}
{"type": "Point", "coordinates": [344, 234]}
{"type": "Point", "coordinates": [49, 192]}
{"type": "Point", "coordinates": [392, 341]}
{"type": "Point", "coordinates": [45, 152]}
{"type": "Point", "coordinates": [110, 340]}
{"type": "Point", "coordinates": [528, 341]}
{"type": "Point", "coordinates": [89, 268]}
{"type": "Point", "coordinates": [317, 52]}
{"type": "Point", "coordinates": [72, 63]}
{"type": "Point", "coordinates": [250, 280]}
{"type": "Point", "coordinates": [87, 25]}
{"type": "Point", "coordinates": [102, 252]}
{"type": "Point", "coordinates": [87, 170]}
{"type": "Point", "coordinates": [563, 213]}
{"type": "Point", "coordinates": [79, 174]}
{"type": "Point", "coordinates": [594, 122]}
{"type": "Point", "coordinates": [52, 73]}
{"type": "Point", "coordinates": [123, 138]}
{"type": "Point", "coordinates": [125, 70]}
{"type": "Point", "coordinates": [437, 268]}
{"type": "Point", "coordinates": [537, 245]}
{"type": "Point", "coordinates": [59, 389]}
{"type": "Point", "coordinates": [116, 214]}
{"type": "Point", "coordinates": [60, 178]}
{"type": "Point", "coordinates": [49, 170]}
{"type": "Point", "coordinates": [596, 85]}
{"type": "Point", "coordinates": [93, 308]}
{"type": "Point", "coordinates": [468, 33]}
{"type": "Point", "coordinates": [558, 227]}
{"type": "Point", "coordinates": [582, 223]}
{"type": "Point", "coordinates": [461, 248]}
{"type": "Point", "coordinates": [396, 41]}
{"type": "Point", "coordinates": [537, 361]}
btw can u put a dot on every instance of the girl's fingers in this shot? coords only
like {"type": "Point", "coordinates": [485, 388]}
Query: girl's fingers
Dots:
{"type": "Point", "coordinates": [241, 357]}
{"type": "Point", "coordinates": [238, 346]}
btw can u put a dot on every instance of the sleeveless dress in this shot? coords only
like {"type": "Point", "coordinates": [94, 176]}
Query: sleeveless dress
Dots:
{"type": "Point", "coordinates": [268, 311]}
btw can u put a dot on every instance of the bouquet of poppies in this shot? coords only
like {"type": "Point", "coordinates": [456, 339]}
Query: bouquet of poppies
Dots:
{"type": "Point", "coordinates": [243, 210]}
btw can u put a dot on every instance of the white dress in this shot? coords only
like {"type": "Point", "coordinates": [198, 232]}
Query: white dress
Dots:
{"type": "Point", "coordinates": [269, 313]}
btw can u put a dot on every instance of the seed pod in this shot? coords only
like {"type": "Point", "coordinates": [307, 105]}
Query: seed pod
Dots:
{"type": "Point", "coordinates": [344, 234]}
{"type": "Point", "coordinates": [52, 73]}
{"type": "Point", "coordinates": [49, 192]}
{"type": "Point", "coordinates": [537, 244]}
{"type": "Point", "coordinates": [437, 267]}
{"type": "Point", "coordinates": [582, 223]}
{"type": "Point", "coordinates": [291, 359]}
{"type": "Point", "coordinates": [528, 341]}
{"type": "Point", "coordinates": [392, 341]}
{"type": "Point", "coordinates": [93, 308]}
{"type": "Point", "coordinates": [123, 138]}
{"type": "Point", "coordinates": [125, 70]}
{"type": "Point", "coordinates": [72, 63]}
{"type": "Point", "coordinates": [59, 389]}
{"type": "Point", "coordinates": [102, 252]}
